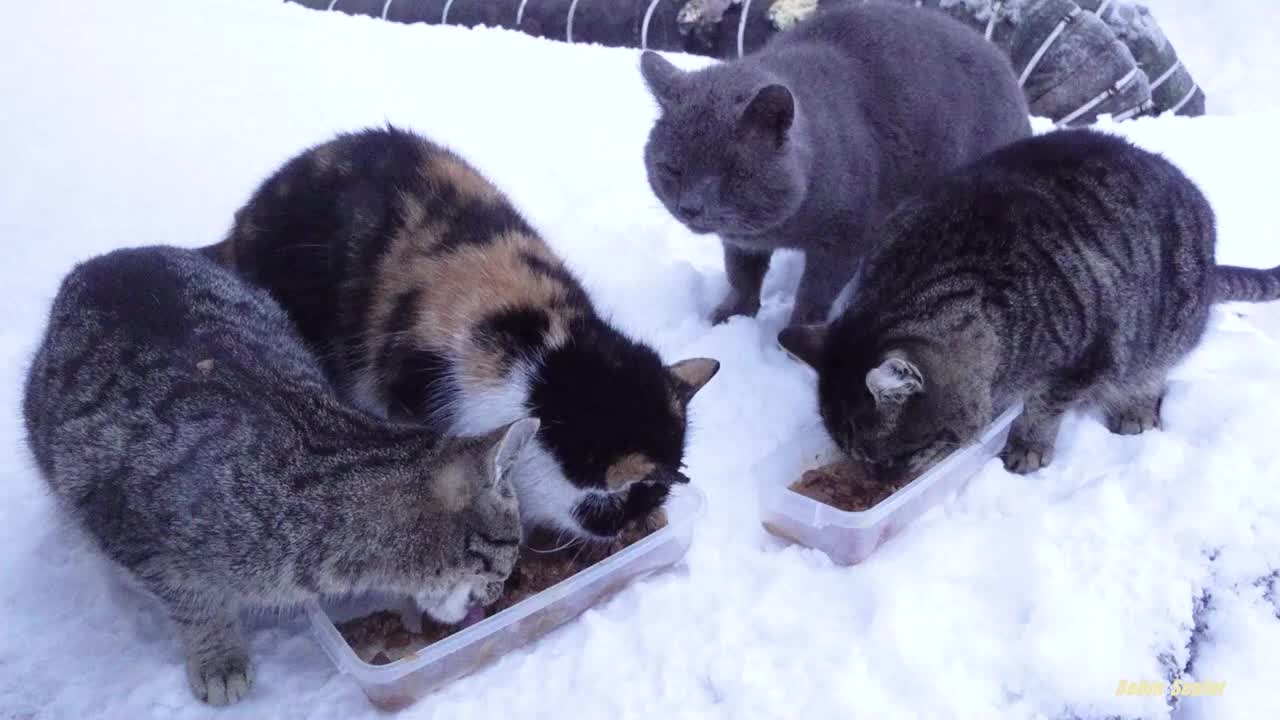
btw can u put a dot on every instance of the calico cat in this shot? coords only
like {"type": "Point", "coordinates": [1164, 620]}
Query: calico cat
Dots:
{"type": "Point", "coordinates": [809, 141]}
{"type": "Point", "coordinates": [429, 297]}
{"type": "Point", "coordinates": [180, 420]}
{"type": "Point", "coordinates": [1070, 268]}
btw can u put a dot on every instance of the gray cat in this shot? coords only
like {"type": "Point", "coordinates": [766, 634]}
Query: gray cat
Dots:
{"type": "Point", "coordinates": [1070, 268]}
{"type": "Point", "coordinates": [179, 419]}
{"type": "Point", "coordinates": [808, 142]}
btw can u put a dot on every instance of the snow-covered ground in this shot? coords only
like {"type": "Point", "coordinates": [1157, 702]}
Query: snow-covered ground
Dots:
{"type": "Point", "coordinates": [150, 121]}
{"type": "Point", "coordinates": [1229, 47]}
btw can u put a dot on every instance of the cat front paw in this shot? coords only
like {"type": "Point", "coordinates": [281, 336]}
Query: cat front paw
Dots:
{"type": "Point", "coordinates": [1022, 456]}
{"type": "Point", "coordinates": [447, 608]}
{"type": "Point", "coordinates": [222, 679]}
{"type": "Point", "coordinates": [732, 306]}
{"type": "Point", "coordinates": [485, 594]}
{"type": "Point", "coordinates": [457, 604]}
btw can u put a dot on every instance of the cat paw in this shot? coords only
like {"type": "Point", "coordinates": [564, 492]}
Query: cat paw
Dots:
{"type": "Point", "coordinates": [221, 680]}
{"type": "Point", "coordinates": [1134, 420]}
{"type": "Point", "coordinates": [1023, 457]}
{"type": "Point", "coordinates": [485, 594]}
{"type": "Point", "coordinates": [732, 307]}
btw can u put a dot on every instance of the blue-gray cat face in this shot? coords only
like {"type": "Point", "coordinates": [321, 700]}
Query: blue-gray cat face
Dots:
{"type": "Point", "coordinates": [722, 156]}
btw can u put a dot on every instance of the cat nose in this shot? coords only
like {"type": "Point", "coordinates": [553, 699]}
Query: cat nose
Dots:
{"type": "Point", "coordinates": [690, 210]}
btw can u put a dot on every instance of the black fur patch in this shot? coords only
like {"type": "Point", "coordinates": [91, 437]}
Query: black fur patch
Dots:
{"type": "Point", "coordinates": [514, 332]}
{"type": "Point", "coordinates": [394, 343]}
{"type": "Point", "coordinates": [602, 397]}
{"type": "Point", "coordinates": [577, 296]}
{"type": "Point", "coordinates": [419, 386]}
{"type": "Point", "coordinates": [474, 222]}
{"type": "Point", "coordinates": [305, 233]}
{"type": "Point", "coordinates": [610, 516]}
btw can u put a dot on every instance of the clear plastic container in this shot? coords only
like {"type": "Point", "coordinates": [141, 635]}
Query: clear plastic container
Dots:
{"type": "Point", "coordinates": [850, 537]}
{"type": "Point", "coordinates": [398, 684]}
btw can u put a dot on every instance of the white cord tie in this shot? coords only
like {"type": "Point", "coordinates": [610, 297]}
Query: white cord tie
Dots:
{"type": "Point", "coordinates": [644, 27]}
{"type": "Point", "coordinates": [1100, 97]}
{"type": "Point", "coordinates": [1047, 44]}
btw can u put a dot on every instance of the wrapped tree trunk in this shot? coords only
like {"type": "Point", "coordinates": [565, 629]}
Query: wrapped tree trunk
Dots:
{"type": "Point", "coordinates": [1078, 59]}
{"type": "Point", "coordinates": [673, 25]}
{"type": "Point", "coordinates": [1171, 85]}
{"type": "Point", "coordinates": [1072, 67]}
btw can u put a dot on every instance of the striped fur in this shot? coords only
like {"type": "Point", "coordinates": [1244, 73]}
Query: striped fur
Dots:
{"type": "Point", "coordinates": [182, 423]}
{"type": "Point", "coordinates": [430, 297]}
{"type": "Point", "coordinates": [1070, 268]}
{"type": "Point", "coordinates": [1237, 284]}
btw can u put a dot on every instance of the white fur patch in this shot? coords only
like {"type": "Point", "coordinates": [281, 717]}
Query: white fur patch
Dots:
{"type": "Point", "coordinates": [451, 607]}
{"type": "Point", "coordinates": [483, 408]}
{"type": "Point", "coordinates": [547, 498]}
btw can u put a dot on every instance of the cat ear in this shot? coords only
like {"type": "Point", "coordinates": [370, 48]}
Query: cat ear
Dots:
{"type": "Point", "coordinates": [805, 342]}
{"type": "Point", "coordinates": [894, 380]}
{"type": "Point", "coordinates": [511, 443]}
{"type": "Point", "coordinates": [770, 113]}
{"type": "Point", "coordinates": [690, 375]}
{"type": "Point", "coordinates": [663, 78]}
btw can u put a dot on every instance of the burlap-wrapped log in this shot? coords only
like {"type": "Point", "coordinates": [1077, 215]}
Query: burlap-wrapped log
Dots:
{"type": "Point", "coordinates": [1075, 66]}
{"type": "Point", "coordinates": [1172, 88]}
{"type": "Point", "coordinates": [614, 23]}
{"type": "Point", "coordinates": [1071, 65]}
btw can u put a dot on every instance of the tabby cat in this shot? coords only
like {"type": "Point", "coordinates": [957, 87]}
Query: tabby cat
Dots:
{"type": "Point", "coordinates": [1070, 268]}
{"type": "Point", "coordinates": [809, 141]}
{"type": "Point", "coordinates": [180, 420]}
{"type": "Point", "coordinates": [429, 297]}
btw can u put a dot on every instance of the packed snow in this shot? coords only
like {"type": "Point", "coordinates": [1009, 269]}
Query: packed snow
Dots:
{"type": "Point", "coordinates": [148, 121]}
{"type": "Point", "coordinates": [1229, 46]}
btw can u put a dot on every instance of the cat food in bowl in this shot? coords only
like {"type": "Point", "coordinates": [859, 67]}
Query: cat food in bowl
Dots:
{"type": "Point", "coordinates": [811, 494]}
{"type": "Point", "coordinates": [398, 656]}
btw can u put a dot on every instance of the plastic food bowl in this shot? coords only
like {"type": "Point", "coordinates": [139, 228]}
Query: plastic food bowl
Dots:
{"type": "Point", "coordinates": [850, 537]}
{"type": "Point", "coordinates": [400, 683]}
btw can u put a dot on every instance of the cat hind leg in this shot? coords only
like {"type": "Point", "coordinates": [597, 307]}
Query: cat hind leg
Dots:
{"type": "Point", "coordinates": [1134, 409]}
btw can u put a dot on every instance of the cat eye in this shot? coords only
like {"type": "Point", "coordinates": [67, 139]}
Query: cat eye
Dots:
{"type": "Point", "coordinates": [669, 170]}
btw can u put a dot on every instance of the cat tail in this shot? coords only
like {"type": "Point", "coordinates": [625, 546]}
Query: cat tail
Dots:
{"type": "Point", "coordinates": [1241, 284]}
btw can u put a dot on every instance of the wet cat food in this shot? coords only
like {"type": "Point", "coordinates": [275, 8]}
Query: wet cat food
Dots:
{"type": "Point", "coordinates": [846, 512]}
{"type": "Point", "coordinates": [847, 485]}
{"type": "Point", "coordinates": [426, 665]}
{"type": "Point", "coordinates": [381, 637]}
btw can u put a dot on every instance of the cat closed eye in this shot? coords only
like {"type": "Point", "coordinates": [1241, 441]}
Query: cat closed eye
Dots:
{"type": "Point", "coordinates": [669, 170]}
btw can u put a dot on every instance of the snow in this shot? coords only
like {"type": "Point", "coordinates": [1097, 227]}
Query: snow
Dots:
{"type": "Point", "coordinates": [145, 121]}
{"type": "Point", "coordinates": [1229, 48]}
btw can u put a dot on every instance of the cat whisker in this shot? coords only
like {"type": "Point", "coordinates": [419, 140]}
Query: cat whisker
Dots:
{"type": "Point", "coordinates": [557, 549]}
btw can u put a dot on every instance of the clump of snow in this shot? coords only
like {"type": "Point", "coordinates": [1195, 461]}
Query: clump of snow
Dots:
{"type": "Point", "coordinates": [148, 121]}
{"type": "Point", "coordinates": [1130, 20]}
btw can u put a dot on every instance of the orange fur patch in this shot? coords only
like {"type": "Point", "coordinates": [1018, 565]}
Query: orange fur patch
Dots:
{"type": "Point", "coordinates": [446, 169]}
{"type": "Point", "coordinates": [459, 289]}
{"type": "Point", "coordinates": [629, 469]}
